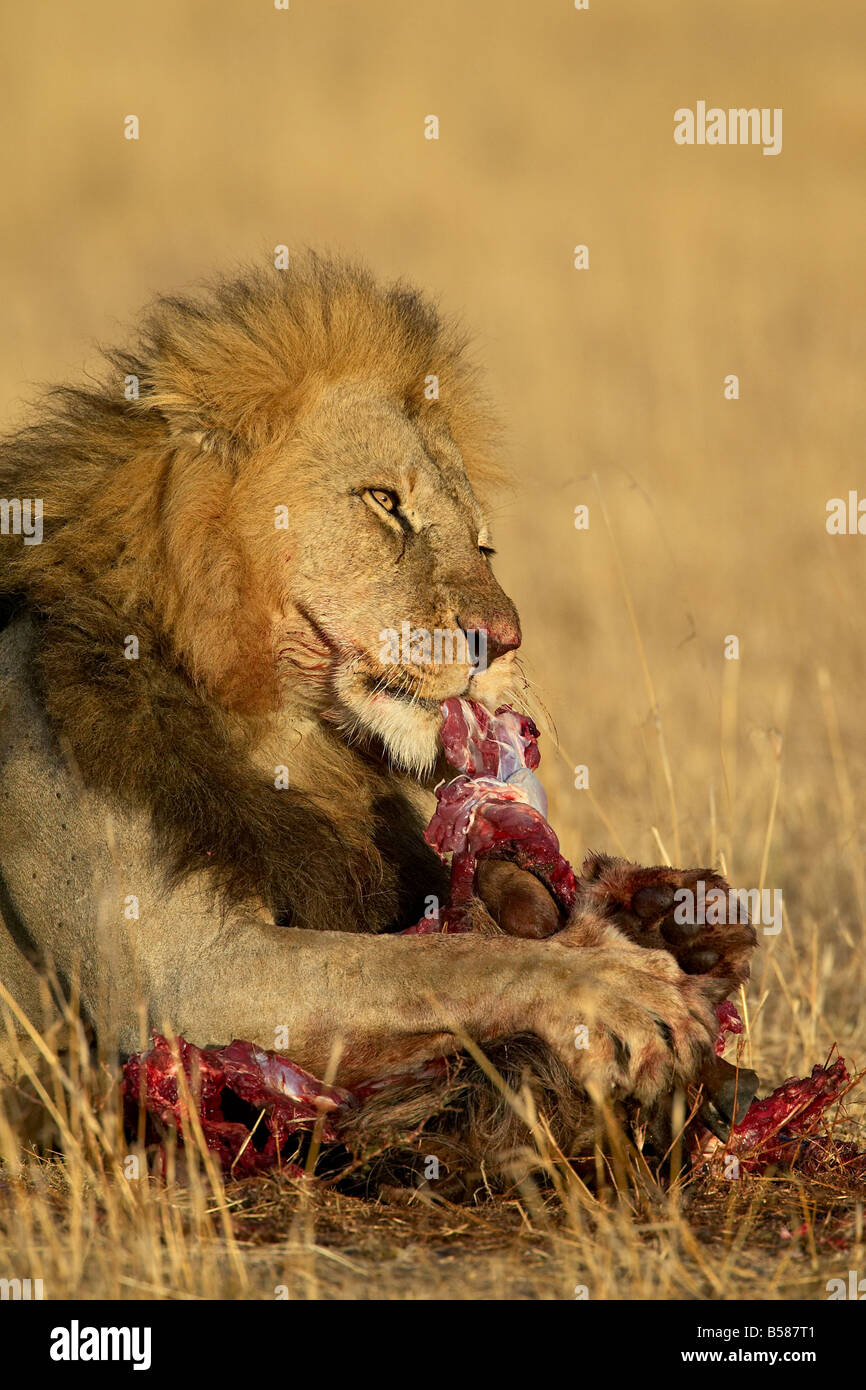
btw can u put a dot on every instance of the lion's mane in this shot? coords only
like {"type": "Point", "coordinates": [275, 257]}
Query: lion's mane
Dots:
{"type": "Point", "coordinates": [133, 473]}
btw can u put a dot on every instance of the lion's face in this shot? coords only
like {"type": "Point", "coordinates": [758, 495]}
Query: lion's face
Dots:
{"type": "Point", "coordinates": [383, 602]}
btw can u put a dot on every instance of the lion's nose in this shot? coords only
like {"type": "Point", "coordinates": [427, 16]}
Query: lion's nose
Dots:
{"type": "Point", "coordinates": [501, 630]}
{"type": "Point", "coordinates": [503, 635]}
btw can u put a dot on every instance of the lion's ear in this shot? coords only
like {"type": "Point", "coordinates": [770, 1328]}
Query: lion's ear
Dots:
{"type": "Point", "coordinates": [192, 427]}
{"type": "Point", "coordinates": [218, 444]}
{"type": "Point", "coordinates": [219, 380]}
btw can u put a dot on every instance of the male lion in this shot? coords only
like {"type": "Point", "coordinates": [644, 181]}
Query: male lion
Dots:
{"type": "Point", "coordinates": [214, 787]}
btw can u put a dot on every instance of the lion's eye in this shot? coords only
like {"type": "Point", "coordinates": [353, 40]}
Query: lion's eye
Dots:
{"type": "Point", "coordinates": [487, 550]}
{"type": "Point", "coordinates": [384, 498]}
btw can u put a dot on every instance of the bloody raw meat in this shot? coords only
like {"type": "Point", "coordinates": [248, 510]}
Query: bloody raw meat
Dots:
{"type": "Point", "coordinates": [494, 808]}
{"type": "Point", "coordinates": [784, 1129]}
{"type": "Point", "coordinates": [290, 1101]}
{"type": "Point", "coordinates": [729, 1022]}
{"type": "Point", "coordinates": [291, 1098]}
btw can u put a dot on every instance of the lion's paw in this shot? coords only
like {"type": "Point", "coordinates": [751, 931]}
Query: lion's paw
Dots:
{"type": "Point", "coordinates": [627, 1022]}
{"type": "Point", "coordinates": [690, 913]}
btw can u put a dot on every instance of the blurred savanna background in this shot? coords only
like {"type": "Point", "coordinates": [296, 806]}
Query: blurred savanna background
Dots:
{"type": "Point", "coordinates": [707, 515]}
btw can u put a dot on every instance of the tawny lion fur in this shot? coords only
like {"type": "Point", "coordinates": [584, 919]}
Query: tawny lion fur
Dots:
{"type": "Point", "coordinates": [196, 717]}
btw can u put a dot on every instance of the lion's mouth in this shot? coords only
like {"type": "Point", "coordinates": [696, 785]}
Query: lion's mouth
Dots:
{"type": "Point", "coordinates": [398, 707]}
{"type": "Point", "coordinates": [408, 695]}
{"type": "Point", "coordinates": [385, 707]}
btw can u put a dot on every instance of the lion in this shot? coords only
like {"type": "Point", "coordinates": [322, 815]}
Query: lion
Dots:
{"type": "Point", "coordinates": [214, 784]}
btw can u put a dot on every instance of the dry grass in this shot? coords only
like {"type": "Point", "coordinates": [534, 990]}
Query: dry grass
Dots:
{"type": "Point", "coordinates": [707, 518]}
{"type": "Point", "coordinates": [104, 1217]}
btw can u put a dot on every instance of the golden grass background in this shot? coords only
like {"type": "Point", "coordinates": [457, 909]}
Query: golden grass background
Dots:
{"type": "Point", "coordinates": [261, 127]}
